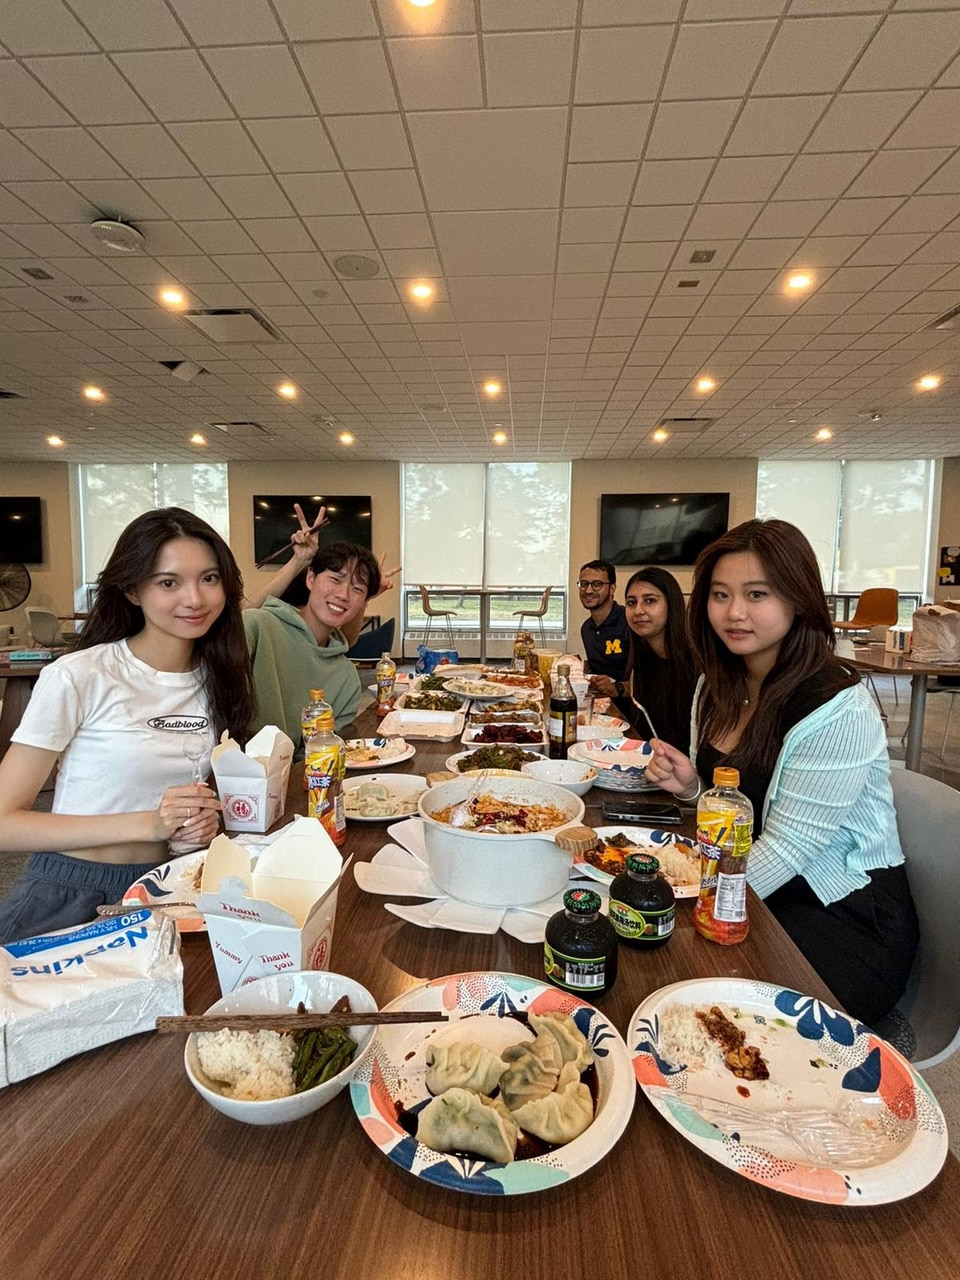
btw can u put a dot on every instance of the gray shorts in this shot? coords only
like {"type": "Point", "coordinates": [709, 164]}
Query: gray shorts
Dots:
{"type": "Point", "coordinates": [58, 892]}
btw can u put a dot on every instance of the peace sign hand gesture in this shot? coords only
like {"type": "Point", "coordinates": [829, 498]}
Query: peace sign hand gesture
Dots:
{"type": "Point", "coordinates": [305, 541]}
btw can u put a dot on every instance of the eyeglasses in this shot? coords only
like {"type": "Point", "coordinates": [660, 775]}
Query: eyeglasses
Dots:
{"type": "Point", "coordinates": [593, 585]}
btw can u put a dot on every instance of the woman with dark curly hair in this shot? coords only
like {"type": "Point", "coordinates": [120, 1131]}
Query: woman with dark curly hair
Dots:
{"type": "Point", "coordinates": [776, 703]}
{"type": "Point", "coordinates": [159, 671]}
{"type": "Point", "coordinates": [663, 668]}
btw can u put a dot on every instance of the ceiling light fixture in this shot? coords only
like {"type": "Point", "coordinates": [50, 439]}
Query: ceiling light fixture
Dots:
{"type": "Point", "coordinates": [660, 435]}
{"type": "Point", "coordinates": [704, 385]}
{"type": "Point", "coordinates": [799, 281]}
{"type": "Point", "coordinates": [929, 382]}
{"type": "Point", "coordinates": [117, 235]}
{"type": "Point", "coordinates": [346, 437]}
{"type": "Point", "coordinates": [422, 4]}
{"type": "Point", "coordinates": [55, 441]}
{"type": "Point", "coordinates": [287, 390]}
{"type": "Point", "coordinates": [500, 437]}
{"type": "Point", "coordinates": [172, 297]}
{"type": "Point", "coordinates": [824, 434]}
{"type": "Point", "coordinates": [492, 388]}
{"type": "Point", "coordinates": [197, 438]}
{"type": "Point", "coordinates": [422, 291]}
{"type": "Point", "coordinates": [93, 393]}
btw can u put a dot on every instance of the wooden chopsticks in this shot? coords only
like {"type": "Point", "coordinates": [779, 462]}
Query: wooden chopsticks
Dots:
{"type": "Point", "coordinates": [291, 1021]}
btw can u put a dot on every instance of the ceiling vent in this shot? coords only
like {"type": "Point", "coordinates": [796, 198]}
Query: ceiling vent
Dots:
{"type": "Point", "coordinates": [78, 299]}
{"type": "Point", "coordinates": [949, 320]}
{"type": "Point", "coordinates": [356, 267]}
{"type": "Point", "coordinates": [36, 273]}
{"type": "Point", "coordinates": [688, 284]}
{"type": "Point", "coordinates": [703, 255]}
{"type": "Point", "coordinates": [689, 425]}
{"type": "Point", "coordinates": [234, 325]}
{"type": "Point", "coordinates": [240, 430]}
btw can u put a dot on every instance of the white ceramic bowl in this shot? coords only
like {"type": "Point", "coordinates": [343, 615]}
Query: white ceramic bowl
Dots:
{"type": "Point", "coordinates": [569, 774]}
{"type": "Point", "coordinates": [319, 992]}
{"type": "Point", "coordinates": [497, 870]}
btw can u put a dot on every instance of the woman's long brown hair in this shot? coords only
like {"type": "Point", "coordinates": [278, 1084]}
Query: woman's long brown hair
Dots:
{"type": "Point", "coordinates": [792, 572]}
{"type": "Point", "coordinates": [682, 665]}
{"type": "Point", "coordinates": [222, 652]}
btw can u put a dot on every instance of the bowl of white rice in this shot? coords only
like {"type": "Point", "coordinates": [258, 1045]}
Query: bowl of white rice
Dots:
{"type": "Point", "coordinates": [248, 1075]}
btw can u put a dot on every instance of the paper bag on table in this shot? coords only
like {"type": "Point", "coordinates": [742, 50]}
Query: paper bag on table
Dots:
{"type": "Point", "coordinates": [936, 634]}
{"type": "Point", "coordinates": [252, 784]}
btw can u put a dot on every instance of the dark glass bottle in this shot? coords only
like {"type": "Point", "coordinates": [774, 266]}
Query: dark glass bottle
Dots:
{"type": "Point", "coordinates": [580, 946]}
{"type": "Point", "coordinates": [642, 902]}
{"type": "Point", "coordinates": [562, 722]}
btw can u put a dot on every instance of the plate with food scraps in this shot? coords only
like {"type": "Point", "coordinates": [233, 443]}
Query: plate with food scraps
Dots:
{"type": "Point", "coordinates": [402, 680]}
{"type": "Point", "coordinates": [374, 753]}
{"type": "Point", "coordinates": [503, 756]}
{"type": "Point", "coordinates": [787, 1091]}
{"type": "Point", "coordinates": [382, 797]}
{"type": "Point", "coordinates": [175, 881]}
{"type": "Point", "coordinates": [489, 1012]}
{"type": "Point", "coordinates": [678, 856]}
{"type": "Point", "coordinates": [480, 689]}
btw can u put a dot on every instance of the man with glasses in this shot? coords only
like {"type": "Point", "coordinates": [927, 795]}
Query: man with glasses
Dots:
{"type": "Point", "coordinates": [605, 634]}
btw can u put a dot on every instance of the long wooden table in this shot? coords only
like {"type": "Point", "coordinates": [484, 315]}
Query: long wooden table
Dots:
{"type": "Point", "coordinates": [111, 1163]}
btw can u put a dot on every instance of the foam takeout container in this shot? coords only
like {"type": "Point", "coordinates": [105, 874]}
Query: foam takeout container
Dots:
{"type": "Point", "coordinates": [252, 784]}
{"type": "Point", "coordinates": [274, 914]}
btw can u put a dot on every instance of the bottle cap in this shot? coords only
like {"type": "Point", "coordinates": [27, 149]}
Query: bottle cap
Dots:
{"type": "Point", "coordinates": [385, 654]}
{"type": "Point", "coordinates": [316, 695]}
{"type": "Point", "coordinates": [563, 668]}
{"type": "Point", "coordinates": [642, 864]}
{"type": "Point", "coordinates": [581, 902]}
{"type": "Point", "coordinates": [324, 721]}
{"type": "Point", "coordinates": [725, 777]}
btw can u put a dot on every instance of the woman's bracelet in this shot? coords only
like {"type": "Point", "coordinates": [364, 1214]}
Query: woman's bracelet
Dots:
{"type": "Point", "coordinates": [696, 795]}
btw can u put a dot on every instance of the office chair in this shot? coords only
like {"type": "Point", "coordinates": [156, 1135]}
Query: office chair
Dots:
{"type": "Point", "coordinates": [371, 644]}
{"type": "Point", "coordinates": [432, 613]}
{"type": "Point", "coordinates": [877, 607]}
{"type": "Point", "coordinates": [537, 613]}
{"type": "Point", "coordinates": [44, 627]}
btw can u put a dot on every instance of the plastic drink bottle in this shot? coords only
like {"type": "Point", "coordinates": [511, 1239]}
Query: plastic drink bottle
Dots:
{"type": "Point", "coordinates": [724, 834]}
{"type": "Point", "coordinates": [325, 763]}
{"type": "Point", "coordinates": [386, 682]}
{"type": "Point", "coordinates": [562, 722]}
{"type": "Point", "coordinates": [315, 707]}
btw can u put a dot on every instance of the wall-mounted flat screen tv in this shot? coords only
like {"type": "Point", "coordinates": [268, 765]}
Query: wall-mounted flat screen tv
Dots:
{"type": "Point", "coordinates": [660, 528]}
{"type": "Point", "coordinates": [21, 530]}
{"type": "Point", "coordinates": [274, 521]}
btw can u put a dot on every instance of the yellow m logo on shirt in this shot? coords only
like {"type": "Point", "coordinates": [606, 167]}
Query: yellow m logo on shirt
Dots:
{"type": "Point", "coordinates": [613, 646]}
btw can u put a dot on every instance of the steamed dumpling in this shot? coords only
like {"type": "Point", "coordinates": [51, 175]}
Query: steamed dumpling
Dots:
{"type": "Point", "coordinates": [560, 1116]}
{"type": "Point", "coordinates": [533, 1069]}
{"type": "Point", "coordinates": [462, 1065]}
{"type": "Point", "coordinates": [463, 1121]}
{"type": "Point", "coordinates": [571, 1041]}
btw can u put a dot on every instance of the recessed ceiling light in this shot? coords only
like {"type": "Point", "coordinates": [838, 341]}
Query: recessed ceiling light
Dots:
{"type": "Point", "coordinates": [929, 382]}
{"type": "Point", "coordinates": [660, 435]}
{"type": "Point", "coordinates": [422, 4]}
{"type": "Point", "coordinates": [346, 437]}
{"type": "Point", "coordinates": [197, 438]}
{"type": "Point", "coordinates": [824, 434]}
{"type": "Point", "coordinates": [500, 437]}
{"type": "Point", "coordinates": [93, 393]}
{"type": "Point", "coordinates": [55, 441]}
{"type": "Point", "coordinates": [704, 385]}
{"type": "Point", "coordinates": [422, 291]}
{"type": "Point", "coordinates": [287, 390]}
{"type": "Point", "coordinates": [172, 297]}
{"type": "Point", "coordinates": [492, 388]}
{"type": "Point", "coordinates": [800, 280]}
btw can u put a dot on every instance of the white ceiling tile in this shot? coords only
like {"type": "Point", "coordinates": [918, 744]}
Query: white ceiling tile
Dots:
{"type": "Point", "coordinates": [145, 150]}
{"type": "Point", "coordinates": [621, 64]}
{"type": "Point", "coordinates": [401, 230]}
{"type": "Point", "coordinates": [91, 88]}
{"type": "Point", "coordinates": [260, 81]}
{"type": "Point", "coordinates": [295, 145]}
{"type": "Point", "coordinates": [774, 126]}
{"type": "Point", "coordinates": [765, 253]}
{"type": "Point", "coordinates": [656, 256]}
{"type": "Point", "coordinates": [146, 25]}
{"type": "Point", "coordinates": [483, 298]}
{"type": "Point", "coordinates": [271, 293]}
{"type": "Point", "coordinates": [245, 268]}
{"type": "Point", "coordinates": [388, 190]}
{"type": "Point", "coordinates": [55, 201]}
{"type": "Point", "coordinates": [175, 84]}
{"type": "Point", "coordinates": [121, 198]}
{"type": "Point", "coordinates": [520, 338]}
{"type": "Point", "coordinates": [790, 217]}
{"type": "Point", "coordinates": [43, 239]}
{"type": "Point", "coordinates": [858, 121]}
{"type": "Point", "coordinates": [656, 222]}
{"type": "Point", "coordinates": [14, 210]}
{"type": "Point", "coordinates": [499, 15]}
{"type": "Point", "coordinates": [300, 266]}
{"type": "Point", "coordinates": [527, 69]}
{"type": "Point", "coordinates": [908, 52]}
{"type": "Point", "coordinates": [253, 197]}
{"type": "Point", "coordinates": [371, 142]}
{"type": "Point", "coordinates": [821, 176]}
{"type": "Point", "coordinates": [691, 129]}
{"type": "Point", "coordinates": [221, 235]}
{"type": "Point", "coordinates": [586, 258]}
{"type": "Point", "coordinates": [934, 122]}
{"type": "Point", "coordinates": [591, 226]}
{"type": "Point", "coordinates": [218, 147]}
{"type": "Point", "coordinates": [399, 17]}
{"type": "Point", "coordinates": [490, 160]}
{"type": "Point", "coordinates": [193, 270]}
{"type": "Point", "coordinates": [812, 55]}
{"type": "Point", "coordinates": [927, 213]}
{"type": "Point", "coordinates": [745, 178]}
{"type": "Point", "coordinates": [319, 193]}
{"type": "Point", "coordinates": [598, 185]}
{"type": "Point", "coordinates": [406, 264]}
{"type": "Point", "coordinates": [511, 242]}
{"type": "Point", "coordinates": [943, 248]}
{"type": "Point", "coordinates": [347, 234]}
{"type": "Point", "coordinates": [710, 10]}
{"type": "Point", "coordinates": [828, 251]}
{"type": "Point", "coordinates": [857, 217]}
{"type": "Point", "coordinates": [884, 250]}
{"type": "Point", "coordinates": [334, 20]}
{"type": "Point", "coordinates": [897, 173]}
{"type": "Point", "coordinates": [951, 77]}
{"type": "Point", "coordinates": [610, 132]}
{"type": "Point", "coordinates": [671, 181]}
{"type": "Point", "coordinates": [600, 13]}
{"type": "Point", "coordinates": [347, 76]}
{"type": "Point", "coordinates": [437, 73]}
{"type": "Point", "coordinates": [716, 60]}
{"type": "Point", "coordinates": [42, 26]}
{"type": "Point", "coordinates": [18, 163]}
{"type": "Point", "coordinates": [722, 221]}
{"type": "Point", "coordinates": [240, 22]}
{"type": "Point", "coordinates": [186, 198]}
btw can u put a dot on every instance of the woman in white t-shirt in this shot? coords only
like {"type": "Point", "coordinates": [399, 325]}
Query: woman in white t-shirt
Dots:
{"type": "Point", "coordinates": [160, 670]}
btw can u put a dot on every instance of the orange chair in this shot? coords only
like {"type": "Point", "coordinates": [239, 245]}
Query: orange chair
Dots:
{"type": "Point", "coordinates": [877, 607]}
{"type": "Point", "coordinates": [537, 613]}
{"type": "Point", "coordinates": [432, 613]}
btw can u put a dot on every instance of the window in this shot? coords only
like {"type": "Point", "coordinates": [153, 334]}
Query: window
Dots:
{"type": "Point", "coordinates": [110, 497]}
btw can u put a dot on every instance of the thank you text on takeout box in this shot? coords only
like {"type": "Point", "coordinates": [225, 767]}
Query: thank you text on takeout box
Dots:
{"type": "Point", "coordinates": [252, 784]}
{"type": "Point", "coordinates": [273, 914]}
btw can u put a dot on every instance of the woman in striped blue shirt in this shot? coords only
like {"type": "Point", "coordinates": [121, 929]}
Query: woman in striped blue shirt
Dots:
{"type": "Point", "coordinates": [777, 704]}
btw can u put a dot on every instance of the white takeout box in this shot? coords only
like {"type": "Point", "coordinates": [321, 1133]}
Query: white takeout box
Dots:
{"type": "Point", "coordinates": [272, 916]}
{"type": "Point", "coordinates": [252, 784]}
{"type": "Point", "coordinates": [899, 640]}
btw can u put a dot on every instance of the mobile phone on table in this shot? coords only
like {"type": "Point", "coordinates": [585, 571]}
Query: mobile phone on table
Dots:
{"type": "Point", "coordinates": [647, 811]}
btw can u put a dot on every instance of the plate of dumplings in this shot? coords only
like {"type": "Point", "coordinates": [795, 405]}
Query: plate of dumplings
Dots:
{"type": "Point", "coordinates": [524, 1088]}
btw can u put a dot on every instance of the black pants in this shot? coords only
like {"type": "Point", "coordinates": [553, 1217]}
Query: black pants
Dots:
{"type": "Point", "coordinates": [862, 946]}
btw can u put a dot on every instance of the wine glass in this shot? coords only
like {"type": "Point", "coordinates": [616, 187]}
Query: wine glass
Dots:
{"type": "Point", "coordinates": [194, 747]}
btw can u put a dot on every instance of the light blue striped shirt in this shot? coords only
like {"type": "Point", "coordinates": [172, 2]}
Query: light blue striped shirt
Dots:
{"type": "Point", "coordinates": [828, 814]}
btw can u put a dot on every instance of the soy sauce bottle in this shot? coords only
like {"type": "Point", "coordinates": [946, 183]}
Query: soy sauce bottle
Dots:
{"type": "Point", "coordinates": [642, 903]}
{"type": "Point", "coordinates": [580, 946]}
{"type": "Point", "coordinates": [562, 720]}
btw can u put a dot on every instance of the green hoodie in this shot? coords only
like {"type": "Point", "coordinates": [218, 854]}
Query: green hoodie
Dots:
{"type": "Point", "coordinates": [288, 663]}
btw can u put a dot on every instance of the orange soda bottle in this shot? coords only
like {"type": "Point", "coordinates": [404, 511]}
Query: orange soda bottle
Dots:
{"type": "Point", "coordinates": [724, 834]}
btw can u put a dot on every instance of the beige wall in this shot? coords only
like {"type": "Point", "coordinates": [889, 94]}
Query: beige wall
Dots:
{"type": "Point", "coordinates": [53, 580]}
{"type": "Point", "coordinates": [949, 529]}
{"type": "Point", "coordinates": [381, 480]}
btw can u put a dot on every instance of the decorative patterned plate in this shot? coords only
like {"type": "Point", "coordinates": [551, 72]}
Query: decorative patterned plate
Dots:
{"type": "Point", "coordinates": [394, 1074]}
{"type": "Point", "coordinates": [621, 763]}
{"type": "Point", "coordinates": [377, 753]}
{"type": "Point", "coordinates": [651, 841]}
{"type": "Point", "coordinates": [820, 1061]}
{"type": "Point", "coordinates": [172, 881]}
